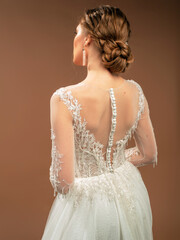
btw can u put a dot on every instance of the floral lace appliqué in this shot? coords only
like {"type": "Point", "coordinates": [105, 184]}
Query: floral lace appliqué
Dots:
{"type": "Point", "coordinates": [60, 185]}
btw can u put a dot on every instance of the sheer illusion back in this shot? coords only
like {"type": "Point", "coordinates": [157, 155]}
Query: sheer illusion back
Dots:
{"type": "Point", "coordinates": [99, 123]}
{"type": "Point", "coordinates": [111, 114]}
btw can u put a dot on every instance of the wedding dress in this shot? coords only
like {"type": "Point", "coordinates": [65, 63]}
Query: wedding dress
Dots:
{"type": "Point", "coordinates": [100, 191]}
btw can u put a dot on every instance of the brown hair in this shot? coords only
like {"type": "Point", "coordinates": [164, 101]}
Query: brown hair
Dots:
{"type": "Point", "coordinates": [110, 30]}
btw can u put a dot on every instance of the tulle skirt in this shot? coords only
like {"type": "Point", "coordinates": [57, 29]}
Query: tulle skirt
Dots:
{"type": "Point", "coordinates": [113, 206]}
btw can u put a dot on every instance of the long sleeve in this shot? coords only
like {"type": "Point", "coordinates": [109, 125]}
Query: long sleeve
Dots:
{"type": "Point", "coordinates": [62, 170]}
{"type": "Point", "coordinates": [145, 151]}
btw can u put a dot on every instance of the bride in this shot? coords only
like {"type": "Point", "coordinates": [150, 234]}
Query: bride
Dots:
{"type": "Point", "coordinates": [99, 192]}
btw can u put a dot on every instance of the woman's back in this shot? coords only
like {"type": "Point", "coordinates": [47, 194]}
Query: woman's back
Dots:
{"type": "Point", "coordinates": [96, 109]}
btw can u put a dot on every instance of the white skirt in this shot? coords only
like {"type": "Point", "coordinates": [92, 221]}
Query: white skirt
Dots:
{"type": "Point", "coordinates": [113, 206]}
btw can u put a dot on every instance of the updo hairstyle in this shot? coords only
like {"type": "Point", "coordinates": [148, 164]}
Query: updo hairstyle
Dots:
{"type": "Point", "coordinates": [110, 30]}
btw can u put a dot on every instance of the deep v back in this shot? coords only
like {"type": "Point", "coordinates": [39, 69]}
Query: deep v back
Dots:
{"type": "Point", "coordinates": [103, 126]}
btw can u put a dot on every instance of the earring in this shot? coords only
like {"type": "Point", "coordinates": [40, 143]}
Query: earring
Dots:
{"type": "Point", "coordinates": [84, 57]}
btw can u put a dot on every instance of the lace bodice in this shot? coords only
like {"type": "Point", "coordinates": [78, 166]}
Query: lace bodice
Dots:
{"type": "Point", "coordinates": [76, 152]}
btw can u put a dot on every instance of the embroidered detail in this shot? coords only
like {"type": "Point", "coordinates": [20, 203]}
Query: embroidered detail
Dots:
{"type": "Point", "coordinates": [91, 173]}
{"type": "Point", "coordinates": [86, 146]}
{"type": "Point", "coordinates": [59, 184]}
{"type": "Point", "coordinates": [110, 186]}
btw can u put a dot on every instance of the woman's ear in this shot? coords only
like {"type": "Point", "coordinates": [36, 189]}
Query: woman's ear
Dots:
{"type": "Point", "coordinates": [88, 40]}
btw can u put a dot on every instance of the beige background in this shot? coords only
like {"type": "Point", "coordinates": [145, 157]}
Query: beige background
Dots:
{"type": "Point", "coordinates": [36, 46]}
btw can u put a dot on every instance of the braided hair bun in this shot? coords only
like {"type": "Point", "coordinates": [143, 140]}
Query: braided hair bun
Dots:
{"type": "Point", "coordinates": [110, 30]}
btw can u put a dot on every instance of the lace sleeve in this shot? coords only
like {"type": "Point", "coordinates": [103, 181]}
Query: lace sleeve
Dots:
{"type": "Point", "coordinates": [145, 151]}
{"type": "Point", "coordinates": [62, 153]}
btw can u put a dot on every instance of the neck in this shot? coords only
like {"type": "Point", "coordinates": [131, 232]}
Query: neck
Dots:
{"type": "Point", "coordinates": [97, 69]}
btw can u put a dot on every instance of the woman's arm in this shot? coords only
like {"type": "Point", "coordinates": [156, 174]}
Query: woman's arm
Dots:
{"type": "Point", "coordinates": [145, 151]}
{"type": "Point", "coordinates": [62, 169]}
